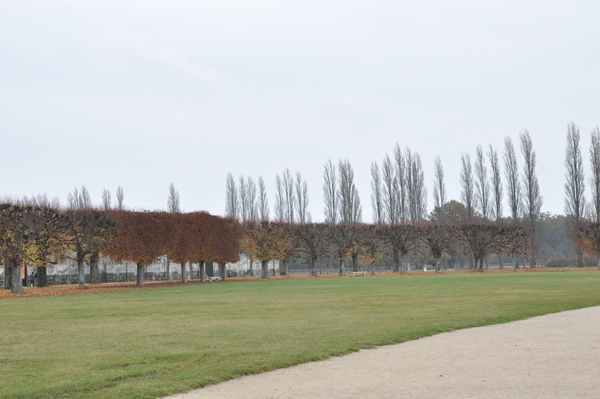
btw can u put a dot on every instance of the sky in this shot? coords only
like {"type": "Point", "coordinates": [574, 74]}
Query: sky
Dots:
{"type": "Point", "coordinates": [141, 94]}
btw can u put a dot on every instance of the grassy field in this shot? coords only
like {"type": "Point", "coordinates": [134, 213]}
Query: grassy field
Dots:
{"type": "Point", "coordinates": [147, 344]}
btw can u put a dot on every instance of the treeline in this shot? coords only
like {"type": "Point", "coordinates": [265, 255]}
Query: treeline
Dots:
{"type": "Point", "coordinates": [38, 233]}
{"type": "Point", "coordinates": [270, 241]}
{"type": "Point", "coordinates": [490, 182]}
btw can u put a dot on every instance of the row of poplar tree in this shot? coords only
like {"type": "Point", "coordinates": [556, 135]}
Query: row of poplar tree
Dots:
{"type": "Point", "coordinates": [399, 195]}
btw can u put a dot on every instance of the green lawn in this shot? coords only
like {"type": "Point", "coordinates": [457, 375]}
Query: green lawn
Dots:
{"type": "Point", "coordinates": [150, 343]}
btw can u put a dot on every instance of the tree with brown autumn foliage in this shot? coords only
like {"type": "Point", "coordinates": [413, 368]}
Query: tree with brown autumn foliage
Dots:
{"type": "Point", "coordinates": [265, 242]}
{"type": "Point", "coordinates": [140, 239]}
{"type": "Point", "coordinates": [87, 230]}
{"type": "Point", "coordinates": [311, 239]}
{"type": "Point", "coordinates": [399, 239]}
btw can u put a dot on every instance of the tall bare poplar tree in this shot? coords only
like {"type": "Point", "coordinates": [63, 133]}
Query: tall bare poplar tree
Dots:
{"type": "Point", "coordinates": [279, 200]}
{"type": "Point", "coordinates": [439, 189]}
{"type": "Point", "coordinates": [416, 191]}
{"type": "Point", "coordinates": [288, 190]}
{"type": "Point", "coordinates": [106, 200]}
{"type": "Point", "coordinates": [497, 190]}
{"type": "Point", "coordinates": [252, 200]}
{"type": "Point", "coordinates": [482, 185]}
{"type": "Point", "coordinates": [595, 178]}
{"type": "Point", "coordinates": [532, 196]}
{"type": "Point", "coordinates": [330, 196]}
{"type": "Point", "coordinates": [513, 184]}
{"type": "Point", "coordinates": [285, 201]}
{"type": "Point", "coordinates": [466, 183]}
{"type": "Point", "coordinates": [173, 207]}
{"type": "Point", "coordinates": [232, 205]}
{"type": "Point", "coordinates": [263, 202]}
{"type": "Point", "coordinates": [402, 166]}
{"type": "Point", "coordinates": [79, 199]}
{"type": "Point", "coordinates": [376, 194]}
{"type": "Point", "coordinates": [350, 208]}
{"type": "Point", "coordinates": [390, 190]}
{"type": "Point", "coordinates": [243, 200]}
{"type": "Point", "coordinates": [173, 200]}
{"type": "Point", "coordinates": [575, 184]}
{"type": "Point", "coordinates": [302, 199]}
{"type": "Point", "coordinates": [120, 198]}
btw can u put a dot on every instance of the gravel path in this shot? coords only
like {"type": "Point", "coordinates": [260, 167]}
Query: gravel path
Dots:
{"type": "Point", "coordinates": [552, 356]}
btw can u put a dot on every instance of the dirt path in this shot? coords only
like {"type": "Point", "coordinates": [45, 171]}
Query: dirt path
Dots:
{"type": "Point", "coordinates": [553, 356]}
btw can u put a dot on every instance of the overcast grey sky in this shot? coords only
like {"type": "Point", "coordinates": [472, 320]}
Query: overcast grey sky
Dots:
{"type": "Point", "coordinates": [144, 93]}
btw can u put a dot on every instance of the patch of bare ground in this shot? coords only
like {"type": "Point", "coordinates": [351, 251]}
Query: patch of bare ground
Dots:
{"type": "Point", "coordinates": [553, 357]}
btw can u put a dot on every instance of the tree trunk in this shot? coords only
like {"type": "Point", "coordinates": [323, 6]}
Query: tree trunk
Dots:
{"type": "Point", "coordinates": [264, 268]}
{"type": "Point", "coordinates": [191, 270]}
{"type": "Point", "coordinates": [42, 277]}
{"type": "Point", "coordinates": [438, 265]}
{"type": "Point", "coordinates": [8, 276]}
{"type": "Point", "coordinates": [313, 266]}
{"type": "Point", "coordinates": [500, 261]}
{"type": "Point", "coordinates": [80, 272]}
{"type": "Point", "coordinates": [202, 267]}
{"type": "Point", "coordinates": [579, 253]}
{"type": "Point", "coordinates": [94, 269]}
{"type": "Point", "coordinates": [16, 283]}
{"type": "Point", "coordinates": [184, 279]}
{"type": "Point", "coordinates": [222, 271]}
{"type": "Point", "coordinates": [396, 260]}
{"type": "Point", "coordinates": [403, 264]}
{"type": "Point", "coordinates": [104, 278]}
{"type": "Point", "coordinates": [286, 265]}
{"type": "Point", "coordinates": [250, 268]}
{"type": "Point", "coordinates": [168, 276]}
{"type": "Point", "coordinates": [515, 262]}
{"type": "Point", "coordinates": [281, 267]}
{"type": "Point", "coordinates": [341, 272]}
{"type": "Point", "coordinates": [532, 260]}
{"type": "Point", "coordinates": [355, 262]}
{"type": "Point", "coordinates": [479, 262]}
{"type": "Point", "coordinates": [140, 275]}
